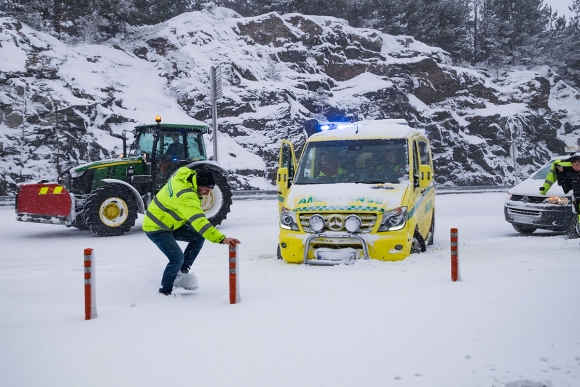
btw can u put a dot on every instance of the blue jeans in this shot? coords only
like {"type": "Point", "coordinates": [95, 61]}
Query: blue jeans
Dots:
{"type": "Point", "coordinates": [178, 260]}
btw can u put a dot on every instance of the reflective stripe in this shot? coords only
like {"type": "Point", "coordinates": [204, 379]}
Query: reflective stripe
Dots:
{"type": "Point", "coordinates": [165, 209]}
{"type": "Point", "coordinates": [159, 223]}
{"type": "Point", "coordinates": [194, 217]}
{"type": "Point", "coordinates": [205, 228]}
{"type": "Point", "coordinates": [184, 191]}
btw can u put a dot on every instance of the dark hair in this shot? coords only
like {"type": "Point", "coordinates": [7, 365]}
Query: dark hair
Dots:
{"type": "Point", "coordinates": [205, 178]}
{"type": "Point", "coordinates": [574, 158]}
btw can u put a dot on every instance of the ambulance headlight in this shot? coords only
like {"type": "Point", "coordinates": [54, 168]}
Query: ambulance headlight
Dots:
{"type": "Point", "coordinates": [316, 223]}
{"type": "Point", "coordinates": [394, 219]}
{"type": "Point", "coordinates": [352, 223]}
{"type": "Point", "coordinates": [288, 219]}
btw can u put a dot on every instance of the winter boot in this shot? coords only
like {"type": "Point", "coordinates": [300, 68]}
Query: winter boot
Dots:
{"type": "Point", "coordinates": [188, 281]}
{"type": "Point", "coordinates": [165, 292]}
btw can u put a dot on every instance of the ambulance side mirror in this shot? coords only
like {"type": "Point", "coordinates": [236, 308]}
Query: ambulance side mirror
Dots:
{"type": "Point", "coordinates": [425, 176]}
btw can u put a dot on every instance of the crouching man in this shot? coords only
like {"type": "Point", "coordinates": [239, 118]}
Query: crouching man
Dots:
{"type": "Point", "coordinates": [175, 214]}
{"type": "Point", "coordinates": [567, 174]}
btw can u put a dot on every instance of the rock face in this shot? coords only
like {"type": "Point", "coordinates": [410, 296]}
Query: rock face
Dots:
{"type": "Point", "coordinates": [277, 72]}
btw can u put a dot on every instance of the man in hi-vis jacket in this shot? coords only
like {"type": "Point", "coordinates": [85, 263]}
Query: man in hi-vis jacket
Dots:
{"type": "Point", "coordinates": [175, 214]}
{"type": "Point", "coordinates": [567, 174]}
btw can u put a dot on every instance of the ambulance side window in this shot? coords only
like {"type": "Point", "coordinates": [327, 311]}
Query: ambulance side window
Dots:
{"type": "Point", "coordinates": [415, 150]}
{"type": "Point", "coordinates": [287, 160]}
{"type": "Point", "coordinates": [424, 153]}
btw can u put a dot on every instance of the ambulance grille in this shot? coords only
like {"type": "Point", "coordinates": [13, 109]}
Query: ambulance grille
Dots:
{"type": "Point", "coordinates": [335, 222]}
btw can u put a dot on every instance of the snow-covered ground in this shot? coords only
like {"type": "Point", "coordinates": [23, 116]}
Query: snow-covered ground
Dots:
{"type": "Point", "coordinates": [513, 320]}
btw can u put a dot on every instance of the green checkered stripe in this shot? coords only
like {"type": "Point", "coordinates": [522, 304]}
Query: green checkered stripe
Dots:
{"type": "Point", "coordinates": [340, 208]}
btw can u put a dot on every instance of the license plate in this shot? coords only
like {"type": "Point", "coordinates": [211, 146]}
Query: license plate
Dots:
{"type": "Point", "coordinates": [336, 255]}
{"type": "Point", "coordinates": [523, 219]}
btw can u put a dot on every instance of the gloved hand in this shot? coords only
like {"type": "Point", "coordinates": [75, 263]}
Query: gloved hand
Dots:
{"type": "Point", "coordinates": [543, 190]}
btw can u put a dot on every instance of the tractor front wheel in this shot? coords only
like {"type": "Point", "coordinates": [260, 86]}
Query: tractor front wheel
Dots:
{"type": "Point", "coordinates": [110, 210]}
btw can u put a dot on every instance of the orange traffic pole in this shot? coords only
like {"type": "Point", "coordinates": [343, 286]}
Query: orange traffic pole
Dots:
{"type": "Point", "coordinates": [90, 299]}
{"type": "Point", "coordinates": [234, 280]}
{"type": "Point", "coordinates": [454, 255]}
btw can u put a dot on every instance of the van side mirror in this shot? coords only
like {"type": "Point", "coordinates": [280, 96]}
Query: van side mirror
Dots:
{"type": "Point", "coordinates": [425, 176]}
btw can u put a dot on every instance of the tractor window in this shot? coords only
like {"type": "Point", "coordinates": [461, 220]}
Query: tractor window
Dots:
{"type": "Point", "coordinates": [195, 146]}
{"type": "Point", "coordinates": [143, 145]}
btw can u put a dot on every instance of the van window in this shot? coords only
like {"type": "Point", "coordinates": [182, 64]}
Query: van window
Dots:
{"type": "Point", "coordinates": [543, 172]}
{"type": "Point", "coordinates": [354, 161]}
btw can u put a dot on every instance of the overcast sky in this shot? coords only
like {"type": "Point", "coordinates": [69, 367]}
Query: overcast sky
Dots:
{"type": "Point", "coordinates": [561, 6]}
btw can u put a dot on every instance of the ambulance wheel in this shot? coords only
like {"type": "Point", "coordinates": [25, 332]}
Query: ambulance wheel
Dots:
{"type": "Point", "coordinates": [431, 234]}
{"type": "Point", "coordinates": [110, 210]}
{"type": "Point", "coordinates": [418, 243]}
{"type": "Point", "coordinates": [216, 205]}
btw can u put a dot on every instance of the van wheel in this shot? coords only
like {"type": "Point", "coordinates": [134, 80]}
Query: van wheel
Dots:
{"type": "Point", "coordinates": [418, 244]}
{"type": "Point", "coordinates": [278, 253]}
{"type": "Point", "coordinates": [574, 230]}
{"type": "Point", "coordinates": [526, 230]}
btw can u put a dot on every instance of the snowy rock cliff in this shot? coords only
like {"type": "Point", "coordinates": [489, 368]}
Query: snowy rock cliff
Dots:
{"type": "Point", "coordinates": [277, 72]}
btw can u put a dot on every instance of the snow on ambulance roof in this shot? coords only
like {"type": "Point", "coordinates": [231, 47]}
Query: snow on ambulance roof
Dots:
{"type": "Point", "coordinates": [389, 128]}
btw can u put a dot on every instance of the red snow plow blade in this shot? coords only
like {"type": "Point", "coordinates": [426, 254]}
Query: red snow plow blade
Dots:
{"type": "Point", "coordinates": [43, 203]}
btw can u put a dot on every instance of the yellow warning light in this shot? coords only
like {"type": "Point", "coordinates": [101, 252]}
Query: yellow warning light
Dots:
{"type": "Point", "coordinates": [158, 119]}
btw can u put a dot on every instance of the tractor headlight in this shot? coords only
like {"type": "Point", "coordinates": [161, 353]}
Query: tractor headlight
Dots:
{"type": "Point", "coordinates": [352, 223]}
{"type": "Point", "coordinates": [316, 223]}
{"type": "Point", "coordinates": [394, 219]}
{"type": "Point", "coordinates": [288, 219]}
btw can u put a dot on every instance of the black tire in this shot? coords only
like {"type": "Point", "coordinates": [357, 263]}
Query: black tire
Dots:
{"type": "Point", "coordinates": [431, 235]}
{"type": "Point", "coordinates": [110, 210]}
{"type": "Point", "coordinates": [80, 222]}
{"type": "Point", "coordinates": [279, 253]}
{"type": "Point", "coordinates": [574, 231]}
{"type": "Point", "coordinates": [216, 205]}
{"type": "Point", "coordinates": [526, 230]}
{"type": "Point", "coordinates": [418, 244]}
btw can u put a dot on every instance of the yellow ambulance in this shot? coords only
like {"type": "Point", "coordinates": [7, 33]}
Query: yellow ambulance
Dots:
{"type": "Point", "coordinates": [361, 190]}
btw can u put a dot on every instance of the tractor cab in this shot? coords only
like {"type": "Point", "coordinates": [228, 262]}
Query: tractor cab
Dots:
{"type": "Point", "coordinates": [167, 147]}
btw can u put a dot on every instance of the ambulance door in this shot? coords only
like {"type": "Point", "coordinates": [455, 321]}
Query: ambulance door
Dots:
{"type": "Point", "coordinates": [424, 211]}
{"type": "Point", "coordinates": [286, 170]}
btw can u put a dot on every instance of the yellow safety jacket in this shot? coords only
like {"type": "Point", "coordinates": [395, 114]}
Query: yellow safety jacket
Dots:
{"type": "Point", "coordinates": [179, 202]}
{"type": "Point", "coordinates": [552, 176]}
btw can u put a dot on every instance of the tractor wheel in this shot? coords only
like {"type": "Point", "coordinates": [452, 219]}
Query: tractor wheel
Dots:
{"type": "Point", "coordinates": [80, 222]}
{"type": "Point", "coordinates": [418, 244]}
{"type": "Point", "coordinates": [216, 204]}
{"type": "Point", "coordinates": [110, 210]}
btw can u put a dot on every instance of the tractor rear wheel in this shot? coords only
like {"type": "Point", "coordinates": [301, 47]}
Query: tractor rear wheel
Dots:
{"type": "Point", "coordinates": [110, 210]}
{"type": "Point", "coordinates": [216, 205]}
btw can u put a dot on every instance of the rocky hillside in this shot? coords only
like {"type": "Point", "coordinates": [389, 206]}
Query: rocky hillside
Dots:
{"type": "Point", "coordinates": [277, 72]}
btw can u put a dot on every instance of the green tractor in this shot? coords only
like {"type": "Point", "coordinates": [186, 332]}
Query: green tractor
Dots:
{"type": "Point", "coordinates": [106, 196]}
